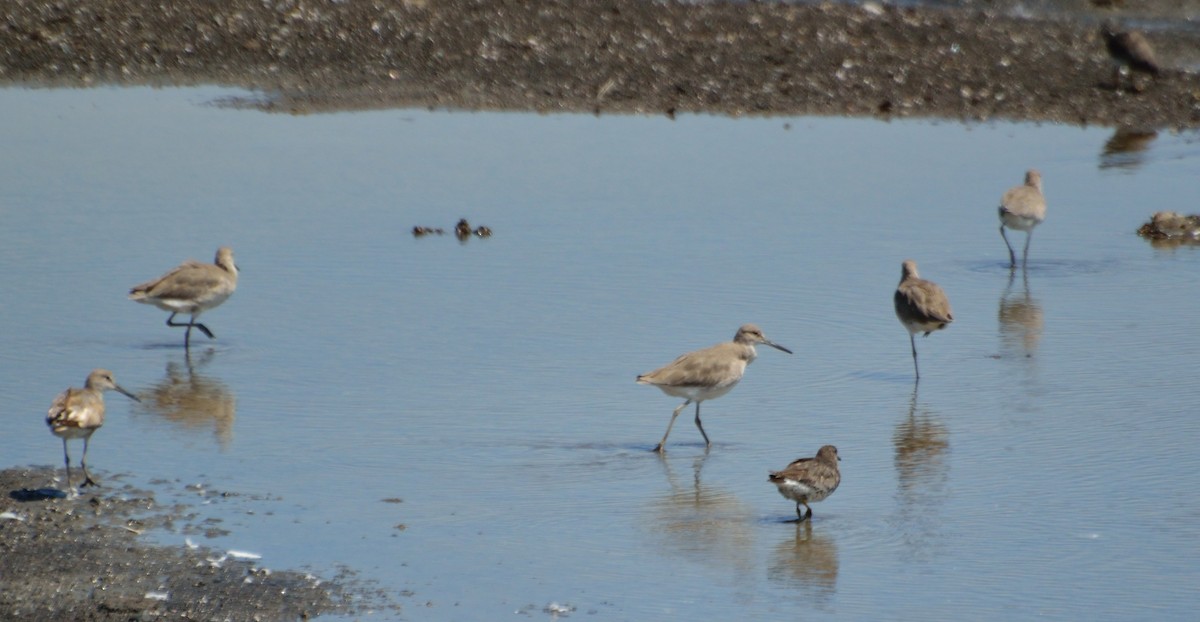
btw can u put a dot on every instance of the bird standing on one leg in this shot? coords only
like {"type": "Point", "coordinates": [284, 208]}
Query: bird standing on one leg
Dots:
{"type": "Point", "coordinates": [192, 287]}
{"type": "Point", "coordinates": [808, 480]}
{"type": "Point", "coordinates": [921, 306]}
{"type": "Point", "coordinates": [1022, 208]}
{"type": "Point", "coordinates": [78, 413]}
{"type": "Point", "coordinates": [1129, 49]}
{"type": "Point", "coordinates": [707, 374]}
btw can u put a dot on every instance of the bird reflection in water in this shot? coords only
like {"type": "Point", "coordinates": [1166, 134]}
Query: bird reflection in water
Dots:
{"type": "Point", "coordinates": [922, 444]}
{"type": "Point", "coordinates": [1021, 318]}
{"type": "Point", "coordinates": [704, 524]}
{"type": "Point", "coordinates": [807, 560]}
{"type": "Point", "coordinates": [193, 400]}
{"type": "Point", "coordinates": [1126, 149]}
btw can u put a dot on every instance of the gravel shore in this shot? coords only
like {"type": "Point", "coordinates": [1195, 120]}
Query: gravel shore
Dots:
{"type": "Point", "coordinates": [606, 56]}
{"type": "Point", "coordinates": [86, 559]}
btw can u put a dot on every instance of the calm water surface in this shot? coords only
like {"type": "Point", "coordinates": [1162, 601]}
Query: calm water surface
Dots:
{"type": "Point", "coordinates": [1044, 467]}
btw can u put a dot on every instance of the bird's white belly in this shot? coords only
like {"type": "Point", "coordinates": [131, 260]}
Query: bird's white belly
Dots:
{"type": "Point", "coordinates": [188, 305]}
{"type": "Point", "coordinates": [698, 393]}
{"type": "Point", "coordinates": [1019, 223]}
{"type": "Point", "coordinates": [797, 491]}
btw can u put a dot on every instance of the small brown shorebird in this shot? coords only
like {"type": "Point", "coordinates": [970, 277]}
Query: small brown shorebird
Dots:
{"type": "Point", "coordinates": [921, 306]}
{"type": "Point", "coordinates": [808, 480]}
{"type": "Point", "coordinates": [1022, 208]}
{"type": "Point", "coordinates": [192, 287]}
{"type": "Point", "coordinates": [1130, 49]}
{"type": "Point", "coordinates": [78, 413]}
{"type": "Point", "coordinates": [707, 374]}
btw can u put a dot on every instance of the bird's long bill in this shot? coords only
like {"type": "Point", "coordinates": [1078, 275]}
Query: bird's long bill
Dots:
{"type": "Point", "coordinates": [776, 346]}
{"type": "Point", "coordinates": [128, 394]}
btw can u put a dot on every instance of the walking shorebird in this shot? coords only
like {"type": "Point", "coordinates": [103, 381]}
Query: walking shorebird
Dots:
{"type": "Point", "coordinates": [1128, 49]}
{"type": "Point", "coordinates": [707, 374]}
{"type": "Point", "coordinates": [1022, 208]}
{"type": "Point", "coordinates": [921, 306]}
{"type": "Point", "coordinates": [808, 480]}
{"type": "Point", "coordinates": [192, 287]}
{"type": "Point", "coordinates": [78, 413]}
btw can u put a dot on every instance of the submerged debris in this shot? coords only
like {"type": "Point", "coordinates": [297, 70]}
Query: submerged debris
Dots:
{"type": "Point", "coordinates": [1172, 226]}
{"type": "Point", "coordinates": [419, 231]}
{"type": "Point", "coordinates": [462, 231]}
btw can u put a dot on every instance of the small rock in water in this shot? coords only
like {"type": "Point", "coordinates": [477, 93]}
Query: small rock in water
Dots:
{"type": "Point", "coordinates": [419, 231]}
{"type": "Point", "coordinates": [1171, 225]}
{"type": "Point", "coordinates": [463, 229]}
{"type": "Point", "coordinates": [557, 610]}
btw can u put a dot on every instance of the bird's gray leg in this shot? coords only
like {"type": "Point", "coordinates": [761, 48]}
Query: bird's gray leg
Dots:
{"type": "Point", "coordinates": [202, 327]}
{"type": "Point", "coordinates": [67, 461]}
{"type": "Point", "coordinates": [912, 340]}
{"type": "Point", "coordinates": [707, 443]}
{"type": "Point", "coordinates": [1012, 257]}
{"type": "Point", "coordinates": [663, 443]}
{"type": "Point", "coordinates": [87, 478]}
{"type": "Point", "coordinates": [1025, 256]}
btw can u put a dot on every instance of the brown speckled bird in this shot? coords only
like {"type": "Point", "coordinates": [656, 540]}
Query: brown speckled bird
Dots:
{"type": "Point", "coordinates": [808, 480]}
{"type": "Point", "coordinates": [78, 413]}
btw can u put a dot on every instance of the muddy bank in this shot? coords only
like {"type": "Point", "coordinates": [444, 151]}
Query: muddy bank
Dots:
{"type": "Point", "coordinates": [85, 559]}
{"type": "Point", "coordinates": [609, 56]}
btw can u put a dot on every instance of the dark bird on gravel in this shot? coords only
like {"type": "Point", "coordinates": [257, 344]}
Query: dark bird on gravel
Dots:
{"type": "Point", "coordinates": [1129, 49]}
{"type": "Point", "coordinates": [808, 480]}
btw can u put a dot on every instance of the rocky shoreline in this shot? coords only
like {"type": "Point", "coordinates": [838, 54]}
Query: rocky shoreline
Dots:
{"type": "Point", "coordinates": [85, 559]}
{"type": "Point", "coordinates": [604, 56]}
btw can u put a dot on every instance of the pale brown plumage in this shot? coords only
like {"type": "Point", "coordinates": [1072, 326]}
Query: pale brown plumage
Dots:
{"type": "Point", "coordinates": [192, 287]}
{"type": "Point", "coordinates": [707, 374]}
{"type": "Point", "coordinates": [808, 480]}
{"type": "Point", "coordinates": [1022, 208]}
{"type": "Point", "coordinates": [78, 413]}
{"type": "Point", "coordinates": [921, 306]}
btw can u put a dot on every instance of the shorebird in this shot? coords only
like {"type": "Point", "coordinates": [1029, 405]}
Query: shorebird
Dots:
{"type": "Point", "coordinates": [707, 374]}
{"type": "Point", "coordinates": [1022, 208]}
{"type": "Point", "coordinates": [921, 306]}
{"type": "Point", "coordinates": [78, 413]}
{"type": "Point", "coordinates": [192, 287]}
{"type": "Point", "coordinates": [1128, 49]}
{"type": "Point", "coordinates": [808, 480]}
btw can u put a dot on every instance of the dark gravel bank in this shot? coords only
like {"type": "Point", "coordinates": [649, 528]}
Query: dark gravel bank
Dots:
{"type": "Point", "coordinates": [619, 56]}
{"type": "Point", "coordinates": [85, 560]}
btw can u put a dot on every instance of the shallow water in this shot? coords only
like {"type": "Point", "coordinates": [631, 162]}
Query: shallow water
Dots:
{"type": "Point", "coordinates": [1041, 469]}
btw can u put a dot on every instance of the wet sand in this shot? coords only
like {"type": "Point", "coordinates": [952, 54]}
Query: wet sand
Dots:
{"type": "Point", "coordinates": [611, 56]}
{"type": "Point", "coordinates": [86, 559]}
